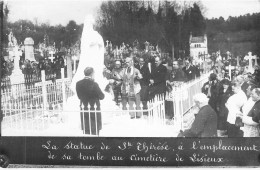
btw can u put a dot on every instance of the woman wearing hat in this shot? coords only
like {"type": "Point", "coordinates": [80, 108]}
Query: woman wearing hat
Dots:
{"type": "Point", "coordinates": [225, 92]}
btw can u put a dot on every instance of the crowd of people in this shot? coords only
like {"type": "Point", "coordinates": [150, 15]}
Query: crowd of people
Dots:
{"type": "Point", "coordinates": [137, 80]}
{"type": "Point", "coordinates": [227, 108]}
{"type": "Point", "coordinates": [233, 105]}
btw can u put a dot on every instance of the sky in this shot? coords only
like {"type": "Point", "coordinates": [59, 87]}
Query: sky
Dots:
{"type": "Point", "coordinates": [62, 11]}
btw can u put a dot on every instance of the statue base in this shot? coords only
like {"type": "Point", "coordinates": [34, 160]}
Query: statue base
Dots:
{"type": "Point", "coordinates": [17, 83]}
{"type": "Point", "coordinates": [17, 77]}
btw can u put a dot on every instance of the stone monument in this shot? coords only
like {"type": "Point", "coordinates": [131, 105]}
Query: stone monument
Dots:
{"type": "Point", "coordinates": [249, 57]}
{"type": "Point", "coordinates": [17, 75]}
{"type": "Point", "coordinates": [28, 48]}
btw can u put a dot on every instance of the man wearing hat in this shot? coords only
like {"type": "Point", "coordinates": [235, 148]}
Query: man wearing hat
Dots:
{"type": "Point", "coordinates": [211, 90]}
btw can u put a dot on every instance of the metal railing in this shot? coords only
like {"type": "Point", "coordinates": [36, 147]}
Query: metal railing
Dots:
{"type": "Point", "coordinates": [34, 119]}
{"type": "Point", "coordinates": [182, 97]}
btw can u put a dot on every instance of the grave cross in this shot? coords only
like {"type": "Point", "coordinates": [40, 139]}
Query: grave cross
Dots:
{"type": "Point", "coordinates": [107, 43]}
{"type": "Point", "coordinates": [51, 57]}
{"type": "Point", "coordinates": [249, 57]}
{"type": "Point", "coordinates": [229, 70]}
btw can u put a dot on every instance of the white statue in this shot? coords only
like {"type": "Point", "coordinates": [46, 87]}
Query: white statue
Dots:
{"type": "Point", "coordinates": [92, 55]}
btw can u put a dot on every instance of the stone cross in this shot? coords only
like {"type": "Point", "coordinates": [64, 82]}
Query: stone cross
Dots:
{"type": "Point", "coordinates": [17, 75]}
{"type": "Point", "coordinates": [249, 57]}
{"type": "Point", "coordinates": [229, 70]}
{"type": "Point", "coordinates": [107, 43]}
{"type": "Point", "coordinates": [51, 57]}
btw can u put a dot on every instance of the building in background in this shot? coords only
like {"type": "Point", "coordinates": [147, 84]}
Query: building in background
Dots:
{"type": "Point", "coordinates": [198, 46]}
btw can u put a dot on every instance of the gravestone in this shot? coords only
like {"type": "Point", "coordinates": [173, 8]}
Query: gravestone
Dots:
{"type": "Point", "coordinates": [249, 57]}
{"type": "Point", "coordinates": [28, 48]}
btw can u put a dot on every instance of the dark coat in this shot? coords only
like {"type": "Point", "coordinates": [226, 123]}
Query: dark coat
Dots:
{"type": "Point", "coordinates": [204, 125]}
{"type": "Point", "coordinates": [222, 109]}
{"type": "Point", "coordinates": [159, 75]}
{"type": "Point", "coordinates": [190, 72]}
{"type": "Point", "coordinates": [89, 93]}
{"type": "Point", "coordinates": [197, 71]}
{"type": "Point", "coordinates": [214, 91]}
{"type": "Point", "coordinates": [177, 75]}
{"type": "Point", "coordinates": [222, 99]}
{"type": "Point", "coordinates": [145, 81]}
{"type": "Point", "coordinates": [255, 112]}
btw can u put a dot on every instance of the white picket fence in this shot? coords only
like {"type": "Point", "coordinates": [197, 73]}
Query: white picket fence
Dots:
{"type": "Point", "coordinates": [38, 109]}
{"type": "Point", "coordinates": [36, 120]}
{"type": "Point", "coordinates": [182, 97]}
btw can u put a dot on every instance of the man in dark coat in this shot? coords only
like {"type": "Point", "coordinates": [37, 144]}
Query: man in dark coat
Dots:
{"type": "Point", "coordinates": [158, 78]}
{"type": "Point", "coordinates": [211, 89]}
{"type": "Point", "coordinates": [176, 75]}
{"type": "Point", "coordinates": [189, 70]}
{"type": "Point", "coordinates": [225, 91]}
{"type": "Point", "coordinates": [205, 123]}
{"type": "Point", "coordinates": [89, 93]}
{"type": "Point", "coordinates": [144, 82]}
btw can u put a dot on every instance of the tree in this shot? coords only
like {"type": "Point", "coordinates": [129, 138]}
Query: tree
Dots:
{"type": "Point", "coordinates": [4, 22]}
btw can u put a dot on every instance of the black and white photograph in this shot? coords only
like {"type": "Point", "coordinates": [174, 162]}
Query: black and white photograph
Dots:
{"type": "Point", "coordinates": [180, 69]}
